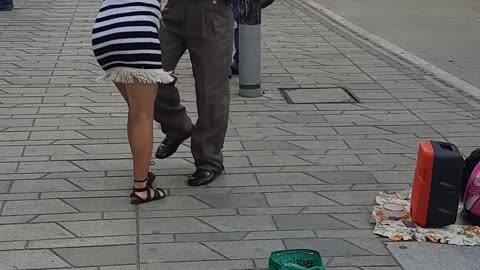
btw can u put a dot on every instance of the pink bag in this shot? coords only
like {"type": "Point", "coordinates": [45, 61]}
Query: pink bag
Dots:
{"type": "Point", "coordinates": [471, 198]}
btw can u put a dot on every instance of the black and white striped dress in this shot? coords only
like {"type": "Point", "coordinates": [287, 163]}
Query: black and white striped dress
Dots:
{"type": "Point", "coordinates": [126, 43]}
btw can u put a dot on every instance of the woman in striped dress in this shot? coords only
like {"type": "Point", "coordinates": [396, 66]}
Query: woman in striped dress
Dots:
{"type": "Point", "coordinates": [126, 45]}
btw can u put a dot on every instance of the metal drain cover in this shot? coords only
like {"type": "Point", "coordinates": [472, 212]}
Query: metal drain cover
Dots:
{"type": "Point", "coordinates": [318, 95]}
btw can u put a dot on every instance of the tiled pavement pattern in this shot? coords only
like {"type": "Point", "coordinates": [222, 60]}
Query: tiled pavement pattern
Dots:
{"type": "Point", "coordinates": [298, 175]}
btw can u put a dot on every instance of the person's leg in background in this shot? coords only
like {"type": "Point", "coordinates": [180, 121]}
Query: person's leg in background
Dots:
{"type": "Point", "coordinates": [171, 115]}
{"type": "Point", "coordinates": [236, 56]}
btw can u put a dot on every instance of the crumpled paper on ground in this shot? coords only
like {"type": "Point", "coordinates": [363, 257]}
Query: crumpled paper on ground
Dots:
{"type": "Point", "coordinates": [405, 230]}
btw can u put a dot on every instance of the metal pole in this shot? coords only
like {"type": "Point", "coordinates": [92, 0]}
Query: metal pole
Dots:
{"type": "Point", "coordinates": [250, 45]}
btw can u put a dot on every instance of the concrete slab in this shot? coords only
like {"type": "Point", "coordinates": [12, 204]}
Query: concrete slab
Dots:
{"type": "Point", "coordinates": [428, 256]}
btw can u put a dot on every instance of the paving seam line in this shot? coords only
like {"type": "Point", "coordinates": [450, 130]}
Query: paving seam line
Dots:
{"type": "Point", "coordinates": [439, 74]}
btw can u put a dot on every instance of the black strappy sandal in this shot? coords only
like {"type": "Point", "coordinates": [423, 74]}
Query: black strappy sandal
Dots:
{"type": "Point", "coordinates": [158, 193]}
{"type": "Point", "coordinates": [150, 179]}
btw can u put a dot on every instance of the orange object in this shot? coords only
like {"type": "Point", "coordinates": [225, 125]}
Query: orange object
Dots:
{"type": "Point", "coordinates": [436, 184]}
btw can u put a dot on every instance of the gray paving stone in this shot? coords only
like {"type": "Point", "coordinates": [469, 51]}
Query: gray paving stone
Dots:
{"type": "Point", "coordinates": [333, 209]}
{"type": "Point", "coordinates": [84, 194]}
{"type": "Point", "coordinates": [246, 249]}
{"type": "Point", "coordinates": [101, 204]}
{"type": "Point", "coordinates": [301, 118]}
{"type": "Point", "coordinates": [321, 145]}
{"type": "Point", "coordinates": [269, 145]}
{"type": "Point", "coordinates": [277, 161]}
{"type": "Point", "coordinates": [11, 151]}
{"type": "Point", "coordinates": [344, 177]}
{"type": "Point", "coordinates": [234, 180]}
{"type": "Point", "coordinates": [297, 199]}
{"type": "Point", "coordinates": [241, 223]}
{"type": "Point", "coordinates": [14, 245]}
{"type": "Point", "coordinates": [327, 247]}
{"type": "Point", "coordinates": [308, 222]}
{"type": "Point", "coordinates": [161, 238]}
{"type": "Point", "coordinates": [105, 148]}
{"type": "Point", "coordinates": [280, 235]}
{"type": "Point", "coordinates": [423, 256]}
{"type": "Point", "coordinates": [233, 200]}
{"type": "Point", "coordinates": [18, 196]}
{"type": "Point", "coordinates": [372, 245]}
{"type": "Point", "coordinates": [361, 130]}
{"type": "Point", "coordinates": [82, 242]}
{"type": "Point", "coordinates": [269, 211]}
{"type": "Point", "coordinates": [59, 122]}
{"type": "Point", "coordinates": [98, 256]}
{"type": "Point", "coordinates": [4, 186]}
{"type": "Point", "coordinates": [176, 252]}
{"type": "Point", "coordinates": [382, 268]}
{"type": "Point", "coordinates": [47, 166]}
{"type": "Point", "coordinates": [105, 133]}
{"type": "Point", "coordinates": [394, 176]}
{"type": "Point", "coordinates": [174, 225]}
{"type": "Point", "coordinates": [201, 265]}
{"type": "Point", "coordinates": [176, 203]}
{"type": "Point", "coordinates": [101, 227]}
{"type": "Point", "coordinates": [351, 197]}
{"type": "Point", "coordinates": [13, 136]}
{"type": "Point", "coordinates": [386, 159]}
{"type": "Point", "coordinates": [30, 259]}
{"type": "Point", "coordinates": [261, 189]}
{"type": "Point", "coordinates": [47, 150]}
{"type": "Point", "coordinates": [8, 167]}
{"type": "Point", "coordinates": [43, 185]}
{"type": "Point", "coordinates": [36, 207]}
{"type": "Point", "coordinates": [387, 187]}
{"type": "Point", "coordinates": [106, 183]}
{"type": "Point", "coordinates": [15, 219]}
{"type": "Point", "coordinates": [187, 213]}
{"type": "Point", "coordinates": [316, 131]}
{"type": "Point", "coordinates": [235, 162]}
{"type": "Point", "coordinates": [352, 233]}
{"type": "Point", "coordinates": [363, 261]}
{"type": "Point", "coordinates": [67, 217]}
{"type": "Point", "coordinates": [208, 237]}
{"type": "Point", "coordinates": [124, 164]}
{"type": "Point", "coordinates": [55, 135]}
{"type": "Point", "coordinates": [358, 220]}
{"type": "Point", "coordinates": [378, 143]}
{"type": "Point", "coordinates": [287, 179]}
{"type": "Point", "coordinates": [333, 159]}
{"type": "Point", "coordinates": [325, 187]}
{"type": "Point", "coordinates": [262, 131]}
{"type": "Point", "coordinates": [19, 232]}
{"type": "Point", "coordinates": [119, 215]}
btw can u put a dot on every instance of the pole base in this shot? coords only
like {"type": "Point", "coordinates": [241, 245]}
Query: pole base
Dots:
{"type": "Point", "coordinates": [250, 92]}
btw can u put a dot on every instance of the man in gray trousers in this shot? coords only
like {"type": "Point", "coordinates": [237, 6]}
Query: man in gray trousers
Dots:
{"type": "Point", "coordinates": [205, 29]}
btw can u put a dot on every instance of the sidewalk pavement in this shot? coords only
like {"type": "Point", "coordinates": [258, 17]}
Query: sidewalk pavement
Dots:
{"type": "Point", "coordinates": [298, 175]}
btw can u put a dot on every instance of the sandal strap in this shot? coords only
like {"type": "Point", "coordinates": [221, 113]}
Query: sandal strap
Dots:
{"type": "Point", "coordinates": [140, 181]}
{"type": "Point", "coordinates": [159, 193]}
{"type": "Point", "coordinates": [141, 189]}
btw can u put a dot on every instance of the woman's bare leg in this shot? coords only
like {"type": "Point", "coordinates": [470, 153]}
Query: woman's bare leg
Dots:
{"type": "Point", "coordinates": [141, 99]}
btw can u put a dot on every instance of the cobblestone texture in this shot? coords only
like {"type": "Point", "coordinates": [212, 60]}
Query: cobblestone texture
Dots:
{"type": "Point", "coordinates": [298, 175]}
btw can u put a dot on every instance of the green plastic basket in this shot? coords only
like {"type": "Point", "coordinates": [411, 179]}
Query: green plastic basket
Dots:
{"type": "Point", "coordinates": [295, 259]}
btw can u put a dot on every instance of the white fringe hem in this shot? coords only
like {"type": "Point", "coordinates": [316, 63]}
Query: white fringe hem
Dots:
{"type": "Point", "coordinates": [130, 75]}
